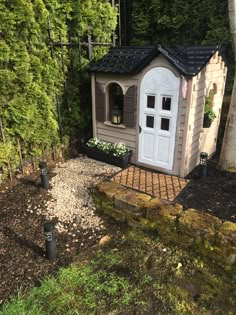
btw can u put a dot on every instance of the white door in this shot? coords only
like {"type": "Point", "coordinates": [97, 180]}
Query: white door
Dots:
{"type": "Point", "coordinates": [159, 95]}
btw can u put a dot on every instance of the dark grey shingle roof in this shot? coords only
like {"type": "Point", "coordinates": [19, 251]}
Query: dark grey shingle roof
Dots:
{"type": "Point", "coordinates": [125, 60]}
{"type": "Point", "coordinates": [189, 60]}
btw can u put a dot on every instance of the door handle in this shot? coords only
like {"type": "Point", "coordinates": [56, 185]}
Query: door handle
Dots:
{"type": "Point", "coordinates": [140, 129]}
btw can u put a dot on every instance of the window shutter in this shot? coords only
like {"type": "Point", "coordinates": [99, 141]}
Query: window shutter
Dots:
{"type": "Point", "coordinates": [100, 103]}
{"type": "Point", "coordinates": [130, 107]}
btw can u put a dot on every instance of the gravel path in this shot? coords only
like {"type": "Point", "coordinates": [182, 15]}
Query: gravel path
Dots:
{"type": "Point", "coordinates": [67, 203]}
{"type": "Point", "coordinates": [71, 199]}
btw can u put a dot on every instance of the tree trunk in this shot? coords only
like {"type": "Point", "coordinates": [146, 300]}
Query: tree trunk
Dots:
{"type": "Point", "coordinates": [228, 150]}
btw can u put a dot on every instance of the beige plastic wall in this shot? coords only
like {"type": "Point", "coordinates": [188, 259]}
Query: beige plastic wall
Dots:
{"type": "Point", "coordinates": [191, 137]}
{"type": "Point", "coordinates": [199, 139]}
{"type": "Point", "coordinates": [108, 132]}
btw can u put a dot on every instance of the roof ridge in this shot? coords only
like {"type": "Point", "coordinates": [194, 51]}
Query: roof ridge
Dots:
{"type": "Point", "coordinates": [188, 59]}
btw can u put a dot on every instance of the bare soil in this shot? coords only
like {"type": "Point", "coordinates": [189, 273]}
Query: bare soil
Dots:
{"type": "Point", "coordinates": [214, 194]}
{"type": "Point", "coordinates": [22, 260]}
{"type": "Point", "coordinates": [22, 251]}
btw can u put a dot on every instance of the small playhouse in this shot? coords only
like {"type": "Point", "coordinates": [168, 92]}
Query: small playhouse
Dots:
{"type": "Point", "coordinates": [154, 99]}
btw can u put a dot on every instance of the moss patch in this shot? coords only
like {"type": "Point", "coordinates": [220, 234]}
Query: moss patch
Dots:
{"type": "Point", "coordinates": [133, 274]}
{"type": "Point", "coordinates": [205, 233]}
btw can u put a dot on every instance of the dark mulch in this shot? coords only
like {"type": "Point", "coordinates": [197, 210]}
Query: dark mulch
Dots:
{"type": "Point", "coordinates": [22, 252]}
{"type": "Point", "coordinates": [22, 261]}
{"type": "Point", "coordinates": [214, 194]}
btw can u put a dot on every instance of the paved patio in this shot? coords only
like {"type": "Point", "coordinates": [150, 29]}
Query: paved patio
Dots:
{"type": "Point", "coordinates": [166, 187]}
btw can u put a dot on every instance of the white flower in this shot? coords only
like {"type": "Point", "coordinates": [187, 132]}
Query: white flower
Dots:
{"type": "Point", "coordinates": [116, 149]}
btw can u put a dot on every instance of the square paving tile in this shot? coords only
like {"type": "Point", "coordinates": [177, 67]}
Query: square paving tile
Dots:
{"type": "Point", "coordinates": [156, 184]}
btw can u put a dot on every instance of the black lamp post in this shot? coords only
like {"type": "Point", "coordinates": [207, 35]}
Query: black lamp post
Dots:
{"type": "Point", "coordinates": [50, 240]}
{"type": "Point", "coordinates": [203, 163]}
{"type": "Point", "coordinates": [82, 144]}
{"type": "Point", "coordinates": [44, 175]}
{"type": "Point", "coordinates": [116, 115]}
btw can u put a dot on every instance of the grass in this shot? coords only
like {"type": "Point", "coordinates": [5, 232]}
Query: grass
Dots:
{"type": "Point", "coordinates": [135, 274]}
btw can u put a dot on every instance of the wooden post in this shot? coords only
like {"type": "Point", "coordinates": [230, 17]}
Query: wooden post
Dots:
{"type": "Point", "coordinates": [119, 22]}
{"type": "Point", "coordinates": [50, 39]}
{"type": "Point", "coordinates": [62, 55]}
{"type": "Point", "coordinates": [89, 47]}
{"type": "Point", "coordinates": [4, 141]}
{"type": "Point", "coordinates": [20, 155]}
{"type": "Point", "coordinates": [59, 117]}
{"type": "Point", "coordinates": [33, 159]}
{"type": "Point", "coordinates": [64, 73]}
{"type": "Point", "coordinates": [53, 155]}
{"type": "Point", "coordinates": [80, 51]}
{"type": "Point", "coordinates": [113, 33]}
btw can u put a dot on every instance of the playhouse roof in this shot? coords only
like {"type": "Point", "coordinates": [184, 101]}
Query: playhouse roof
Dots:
{"type": "Point", "coordinates": [189, 60]}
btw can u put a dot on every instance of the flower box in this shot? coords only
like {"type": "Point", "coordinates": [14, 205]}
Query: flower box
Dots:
{"type": "Point", "coordinates": [120, 161]}
{"type": "Point", "coordinates": [206, 121]}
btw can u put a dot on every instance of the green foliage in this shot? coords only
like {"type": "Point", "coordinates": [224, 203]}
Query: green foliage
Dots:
{"type": "Point", "coordinates": [30, 76]}
{"type": "Point", "coordinates": [98, 19]}
{"type": "Point", "coordinates": [95, 18]}
{"type": "Point", "coordinates": [180, 22]}
{"type": "Point", "coordinates": [135, 273]}
{"type": "Point", "coordinates": [8, 154]}
{"type": "Point", "coordinates": [208, 109]}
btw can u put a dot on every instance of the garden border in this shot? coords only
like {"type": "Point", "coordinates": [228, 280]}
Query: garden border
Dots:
{"type": "Point", "coordinates": [204, 233]}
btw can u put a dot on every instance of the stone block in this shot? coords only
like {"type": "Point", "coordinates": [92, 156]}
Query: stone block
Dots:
{"type": "Point", "coordinates": [116, 214]}
{"type": "Point", "coordinates": [203, 232]}
{"type": "Point", "coordinates": [167, 221]}
{"type": "Point", "coordinates": [133, 223]}
{"type": "Point", "coordinates": [198, 224]}
{"type": "Point", "coordinates": [147, 225]}
{"type": "Point", "coordinates": [110, 189]}
{"type": "Point", "coordinates": [161, 209]}
{"type": "Point", "coordinates": [131, 201]}
{"type": "Point", "coordinates": [226, 242]}
{"type": "Point", "coordinates": [153, 207]}
{"type": "Point", "coordinates": [101, 202]}
{"type": "Point", "coordinates": [227, 233]}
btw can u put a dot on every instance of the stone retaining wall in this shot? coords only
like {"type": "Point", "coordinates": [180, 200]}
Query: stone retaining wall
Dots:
{"type": "Point", "coordinates": [203, 232]}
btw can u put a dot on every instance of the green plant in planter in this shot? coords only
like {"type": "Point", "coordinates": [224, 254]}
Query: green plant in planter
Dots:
{"type": "Point", "coordinates": [116, 149]}
{"type": "Point", "coordinates": [208, 111]}
{"type": "Point", "coordinates": [119, 149]}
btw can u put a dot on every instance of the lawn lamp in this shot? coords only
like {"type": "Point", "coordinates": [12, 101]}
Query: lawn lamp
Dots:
{"type": "Point", "coordinates": [50, 240]}
{"type": "Point", "coordinates": [82, 144]}
{"type": "Point", "coordinates": [203, 163]}
{"type": "Point", "coordinates": [44, 175]}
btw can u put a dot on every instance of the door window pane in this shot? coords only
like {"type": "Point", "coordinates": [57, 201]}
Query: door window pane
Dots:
{"type": "Point", "coordinates": [150, 101]}
{"type": "Point", "coordinates": [166, 103]}
{"type": "Point", "coordinates": [150, 122]}
{"type": "Point", "coordinates": [165, 124]}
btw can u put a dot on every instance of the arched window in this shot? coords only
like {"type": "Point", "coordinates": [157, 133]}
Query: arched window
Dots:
{"type": "Point", "coordinates": [116, 104]}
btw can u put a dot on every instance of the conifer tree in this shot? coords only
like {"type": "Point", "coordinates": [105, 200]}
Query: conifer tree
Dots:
{"type": "Point", "coordinates": [30, 76]}
{"type": "Point", "coordinates": [179, 22]}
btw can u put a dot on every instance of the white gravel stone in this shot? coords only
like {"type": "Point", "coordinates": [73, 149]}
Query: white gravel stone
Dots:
{"type": "Point", "coordinates": [72, 200]}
